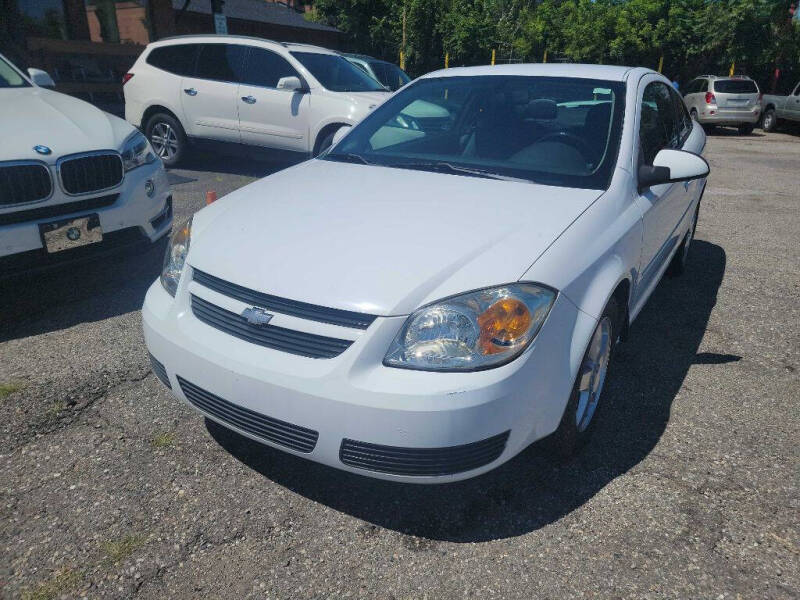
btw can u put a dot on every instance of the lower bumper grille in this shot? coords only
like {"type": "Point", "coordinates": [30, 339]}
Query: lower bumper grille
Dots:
{"type": "Point", "coordinates": [272, 430]}
{"type": "Point", "coordinates": [57, 210]}
{"type": "Point", "coordinates": [159, 371]}
{"type": "Point", "coordinates": [92, 173]}
{"type": "Point", "coordinates": [20, 183]}
{"type": "Point", "coordinates": [422, 461]}
{"type": "Point", "coordinates": [270, 336]}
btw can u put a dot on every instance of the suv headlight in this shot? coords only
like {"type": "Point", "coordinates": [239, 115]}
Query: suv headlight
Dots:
{"type": "Point", "coordinates": [175, 259]}
{"type": "Point", "coordinates": [136, 151]}
{"type": "Point", "coordinates": [478, 330]}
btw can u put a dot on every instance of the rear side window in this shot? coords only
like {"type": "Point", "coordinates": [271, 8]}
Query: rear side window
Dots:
{"type": "Point", "coordinates": [220, 62]}
{"type": "Point", "coordinates": [735, 86]}
{"type": "Point", "coordinates": [178, 59]}
{"type": "Point", "coordinates": [264, 68]}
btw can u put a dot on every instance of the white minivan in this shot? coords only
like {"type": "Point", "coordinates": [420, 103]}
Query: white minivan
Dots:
{"type": "Point", "coordinates": [238, 90]}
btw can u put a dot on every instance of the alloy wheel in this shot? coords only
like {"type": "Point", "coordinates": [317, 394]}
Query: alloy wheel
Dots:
{"type": "Point", "coordinates": [164, 140]}
{"type": "Point", "coordinates": [593, 374]}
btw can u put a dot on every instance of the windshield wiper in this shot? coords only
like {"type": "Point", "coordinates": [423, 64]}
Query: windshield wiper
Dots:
{"type": "Point", "coordinates": [349, 157]}
{"type": "Point", "coordinates": [440, 166]}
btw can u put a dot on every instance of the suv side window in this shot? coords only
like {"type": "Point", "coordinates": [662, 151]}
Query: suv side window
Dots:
{"type": "Point", "coordinates": [264, 68]}
{"type": "Point", "coordinates": [220, 62]}
{"type": "Point", "coordinates": [178, 59]}
{"type": "Point", "coordinates": [658, 128]}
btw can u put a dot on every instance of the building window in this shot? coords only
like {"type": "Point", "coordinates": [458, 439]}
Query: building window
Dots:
{"type": "Point", "coordinates": [118, 21]}
{"type": "Point", "coordinates": [43, 18]}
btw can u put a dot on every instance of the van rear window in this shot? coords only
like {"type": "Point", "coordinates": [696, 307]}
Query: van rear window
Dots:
{"type": "Point", "coordinates": [736, 86]}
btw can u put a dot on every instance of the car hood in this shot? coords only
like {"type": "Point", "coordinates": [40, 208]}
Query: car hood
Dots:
{"type": "Point", "coordinates": [35, 116]}
{"type": "Point", "coordinates": [368, 99]}
{"type": "Point", "coordinates": [379, 240]}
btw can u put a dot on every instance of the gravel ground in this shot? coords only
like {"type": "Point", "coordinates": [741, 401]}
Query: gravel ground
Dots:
{"type": "Point", "coordinates": [689, 489]}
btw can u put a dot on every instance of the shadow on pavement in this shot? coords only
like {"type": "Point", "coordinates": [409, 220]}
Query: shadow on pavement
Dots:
{"type": "Point", "coordinates": [80, 292]}
{"type": "Point", "coordinates": [259, 163]}
{"type": "Point", "coordinates": [532, 490]}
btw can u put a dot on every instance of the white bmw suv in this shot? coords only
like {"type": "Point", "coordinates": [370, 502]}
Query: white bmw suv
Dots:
{"type": "Point", "coordinates": [74, 181]}
{"type": "Point", "coordinates": [244, 91]}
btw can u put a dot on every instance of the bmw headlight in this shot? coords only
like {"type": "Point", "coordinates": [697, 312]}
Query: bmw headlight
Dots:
{"type": "Point", "coordinates": [473, 331]}
{"type": "Point", "coordinates": [136, 151]}
{"type": "Point", "coordinates": [176, 257]}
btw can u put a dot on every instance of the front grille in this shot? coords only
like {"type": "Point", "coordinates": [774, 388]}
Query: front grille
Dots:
{"type": "Point", "coordinates": [422, 461]}
{"type": "Point", "coordinates": [20, 183]}
{"type": "Point", "coordinates": [293, 308]}
{"type": "Point", "coordinates": [272, 430]}
{"type": "Point", "coordinates": [57, 210]}
{"type": "Point", "coordinates": [91, 173]}
{"type": "Point", "coordinates": [159, 371]}
{"type": "Point", "coordinates": [271, 336]}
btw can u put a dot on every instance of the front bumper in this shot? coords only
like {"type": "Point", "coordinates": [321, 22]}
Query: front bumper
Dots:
{"type": "Point", "coordinates": [715, 116]}
{"type": "Point", "coordinates": [351, 412]}
{"type": "Point", "coordinates": [132, 207]}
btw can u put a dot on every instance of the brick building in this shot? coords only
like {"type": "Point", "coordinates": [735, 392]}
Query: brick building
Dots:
{"type": "Point", "coordinates": [87, 45]}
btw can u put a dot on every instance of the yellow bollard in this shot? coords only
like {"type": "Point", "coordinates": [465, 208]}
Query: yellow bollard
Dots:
{"type": "Point", "coordinates": [544, 58]}
{"type": "Point", "coordinates": [660, 63]}
{"type": "Point", "coordinates": [446, 60]}
{"type": "Point", "coordinates": [402, 60]}
{"type": "Point", "coordinates": [493, 56]}
{"type": "Point", "coordinates": [733, 69]}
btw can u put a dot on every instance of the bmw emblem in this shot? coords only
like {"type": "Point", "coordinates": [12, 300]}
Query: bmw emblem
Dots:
{"type": "Point", "coordinates": [73, 233]}
{"type": "Point", "coordinates": [42, 149]}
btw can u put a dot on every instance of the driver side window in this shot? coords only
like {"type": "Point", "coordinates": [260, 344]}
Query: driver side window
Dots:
{"type": "Point", "coordinates": [658, 127]}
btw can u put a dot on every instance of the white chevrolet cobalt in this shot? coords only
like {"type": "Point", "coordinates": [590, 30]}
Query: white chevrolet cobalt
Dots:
{"type": "Point", "coordinates": [74, 180]}
{"type": "Point", "coordinates": [436, 292]}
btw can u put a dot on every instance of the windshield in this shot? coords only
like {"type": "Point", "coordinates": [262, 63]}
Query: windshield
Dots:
{"type": "Point", "coordinates": [392, 76]}
{"type": "Point", "coordinates": [9, 77]}
{"type": "Point", "coordinates": [336, 73]}
{"type": "Point", "coordinates": [735, 86]}
{"type": "Point", "coordinates": [552, 130]}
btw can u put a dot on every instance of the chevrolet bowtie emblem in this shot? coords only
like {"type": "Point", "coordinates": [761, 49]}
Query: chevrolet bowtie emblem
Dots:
{"type": "Point", "coordinates": [256, 316]}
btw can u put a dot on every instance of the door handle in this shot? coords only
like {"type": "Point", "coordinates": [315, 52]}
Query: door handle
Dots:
{"type": "Point", "coordinates": [190, 91]}
{"type": "Point", "coordinates": [248, 99]}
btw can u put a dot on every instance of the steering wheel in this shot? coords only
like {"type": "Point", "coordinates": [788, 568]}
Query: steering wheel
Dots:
{"type": "Point", "coordinates": [570, 139]}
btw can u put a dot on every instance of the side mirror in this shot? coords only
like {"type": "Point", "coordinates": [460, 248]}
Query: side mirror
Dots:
{"type": "Point", "coordinates": [340, 133]}
{"type": "Point", "coordinates": [290, 84]}
{"type": "Point", "coordinates": [670, 166]}
{"type": "Point", "coordinates": [41, 78]}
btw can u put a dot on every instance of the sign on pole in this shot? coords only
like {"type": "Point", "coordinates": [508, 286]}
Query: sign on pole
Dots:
{"type": "Point", "coordinates": [220, 24]}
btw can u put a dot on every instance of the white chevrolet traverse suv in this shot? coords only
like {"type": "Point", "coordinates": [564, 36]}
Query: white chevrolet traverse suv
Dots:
{"type": "Point", "coordinates": [244, 91]}
{"type": "Point", "coordinates": [74, 181]}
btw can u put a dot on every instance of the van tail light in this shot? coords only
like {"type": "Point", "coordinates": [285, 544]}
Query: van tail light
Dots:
{"type": "Point", "coordinates": [126, 78]}
{"type": "Point", "coordinates": [710, 99]}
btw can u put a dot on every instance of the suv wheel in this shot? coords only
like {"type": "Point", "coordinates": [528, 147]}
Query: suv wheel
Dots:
{"type": "Point", "coordinates": [770, 120]}
{"type": "Point", "coordinates": [167, 138]}
{"type": "Point", "coordinates": [693, 114]}
{"type": "Point", "coordinates": [746, 129]}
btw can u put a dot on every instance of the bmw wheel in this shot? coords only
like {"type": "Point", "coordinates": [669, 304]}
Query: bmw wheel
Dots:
{"type": "Point", "coordinates": [167, 138]}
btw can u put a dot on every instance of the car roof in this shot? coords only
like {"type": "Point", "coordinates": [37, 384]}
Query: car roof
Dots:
{"type": "Point", "coordinates": [177, 39]}
{"type": "Point", "coordinates": [581, 71]}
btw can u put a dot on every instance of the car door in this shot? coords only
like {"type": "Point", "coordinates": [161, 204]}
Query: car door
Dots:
{"type": "Point", "coordinates": [209, 96]}
{"type": "Point", "coordinates": [269, 116]}
{"type": "Point", "coordinates": [662, 205]}
{"type": "Point", "coordinates": [793, 105]}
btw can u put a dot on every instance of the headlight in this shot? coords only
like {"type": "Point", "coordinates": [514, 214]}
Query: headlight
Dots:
{"type": "Point", "coordinates": [136, 151]}
{"type": "Point", "coordinates": [473, 331]}
{"type": "Point", "coordinates": [176, 257]}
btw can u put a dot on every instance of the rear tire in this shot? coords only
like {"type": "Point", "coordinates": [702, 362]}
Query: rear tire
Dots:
{"type": "Point", "coordinates": [693, 114]}
{"type": "Point", "coordinates": [580, 413]}
{"type": "Point", "coordinates": [167, 137]}
{"type": "Point", "coordinates": [746, 129]}
{"type": "Point", "coordinates": [770, 122]}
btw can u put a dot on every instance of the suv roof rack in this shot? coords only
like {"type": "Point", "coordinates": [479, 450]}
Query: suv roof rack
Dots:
{"type": "Point", "coordinates": [221, 36]}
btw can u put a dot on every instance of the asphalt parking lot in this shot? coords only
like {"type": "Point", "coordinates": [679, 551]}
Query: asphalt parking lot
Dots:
{"type": "Point", "coordinates": [689, 489]}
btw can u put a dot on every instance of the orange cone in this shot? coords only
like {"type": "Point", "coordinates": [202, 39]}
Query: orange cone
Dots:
{"type": "Point", "coordinates": [211, 196]}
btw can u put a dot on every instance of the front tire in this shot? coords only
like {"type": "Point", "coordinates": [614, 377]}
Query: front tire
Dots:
{"type": "Point", "coordinates": [579, 416]}
{"type": "Point", "coordinates": [677, 266]}
{"type": "Point", "coordinates": [167, 137]}
{"type": "Point", "coordinates": [770, 122]}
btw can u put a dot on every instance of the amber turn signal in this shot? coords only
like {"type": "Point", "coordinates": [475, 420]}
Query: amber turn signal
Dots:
{"type": "Point", "coordinates": [503, 323]}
